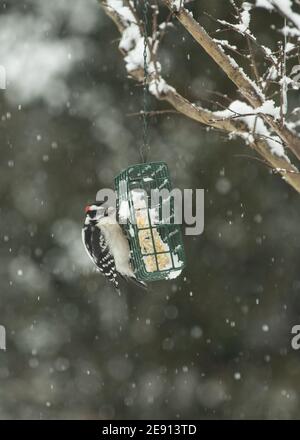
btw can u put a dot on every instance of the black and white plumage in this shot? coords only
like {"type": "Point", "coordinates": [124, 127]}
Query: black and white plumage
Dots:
{"type": "Point", "coordinates": [106, 244]}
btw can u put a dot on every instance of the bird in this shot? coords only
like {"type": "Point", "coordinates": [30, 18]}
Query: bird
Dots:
{"type": "Point", "coordinates": [106, 244]}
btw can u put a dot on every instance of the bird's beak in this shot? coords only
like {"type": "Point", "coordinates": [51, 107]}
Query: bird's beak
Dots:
{"type": "Point", "coordinates": [87, 208]}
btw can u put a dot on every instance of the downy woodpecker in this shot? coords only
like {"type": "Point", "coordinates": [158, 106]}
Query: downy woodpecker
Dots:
{"type": "Point", "coordinates": [106, 244]}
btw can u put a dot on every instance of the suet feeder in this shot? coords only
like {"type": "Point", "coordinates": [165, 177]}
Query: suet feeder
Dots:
{"type": "Point", "coordinates": [157, 251]}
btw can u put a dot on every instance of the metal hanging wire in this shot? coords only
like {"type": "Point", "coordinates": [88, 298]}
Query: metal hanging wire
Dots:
{"type": "Point", "coordinates": [144, 149]}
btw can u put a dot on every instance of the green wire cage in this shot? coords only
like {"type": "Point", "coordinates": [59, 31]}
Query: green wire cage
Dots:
{"type": "Point", "coordinates": [157, 251]}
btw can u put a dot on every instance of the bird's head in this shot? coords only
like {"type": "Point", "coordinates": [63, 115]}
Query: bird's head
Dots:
{"type": "Point", "coordinates": [99, 211]}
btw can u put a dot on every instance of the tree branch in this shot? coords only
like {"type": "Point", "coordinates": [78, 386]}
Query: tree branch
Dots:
{"type": "Point", "coordinates": [234, 72]}
{"type": "Point", "coordinates": [236, 127]}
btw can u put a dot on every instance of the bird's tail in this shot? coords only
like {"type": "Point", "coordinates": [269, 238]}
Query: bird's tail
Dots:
{"type": "Point", "coordinates": [137, 282]}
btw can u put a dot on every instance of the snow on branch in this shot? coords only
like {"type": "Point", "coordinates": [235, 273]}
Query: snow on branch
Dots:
{"type": "Point", "coordinates": [243, 18]}
{"type": "Point", "coordinates": [132, 44]}
{"type": "Point", "coordinates": [244, 112]}
{"type": "Point", "coordinates": [261, 116]}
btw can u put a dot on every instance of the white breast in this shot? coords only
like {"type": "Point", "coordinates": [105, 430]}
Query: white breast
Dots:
{"type": "Point", "coordinates": [118, 245]}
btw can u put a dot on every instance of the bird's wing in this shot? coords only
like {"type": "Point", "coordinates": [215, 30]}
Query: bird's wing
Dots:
{"type": "Point", "coordinates": [98, 251]}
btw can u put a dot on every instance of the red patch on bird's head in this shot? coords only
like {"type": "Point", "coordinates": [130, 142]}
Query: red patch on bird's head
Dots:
{"type": "Point", "coordinates": [87, 208]}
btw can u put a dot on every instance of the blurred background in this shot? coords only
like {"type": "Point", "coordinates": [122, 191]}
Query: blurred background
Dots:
{"type": "Point", "coordinates": [214, 343]}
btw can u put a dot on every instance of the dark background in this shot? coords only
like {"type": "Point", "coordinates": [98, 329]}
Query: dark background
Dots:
{"type": "Point", "coordinates": [216, 342]}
